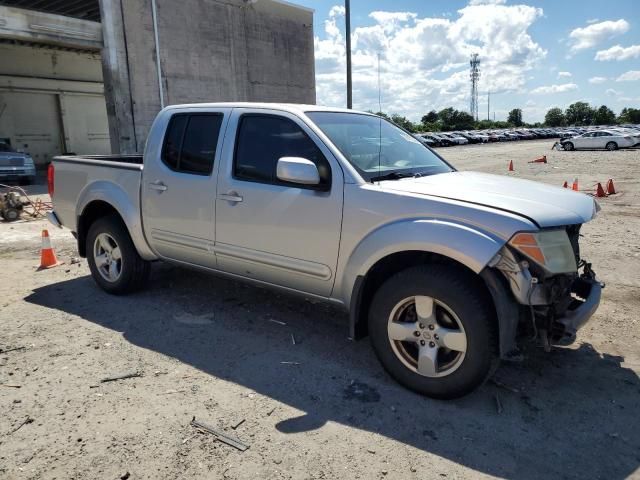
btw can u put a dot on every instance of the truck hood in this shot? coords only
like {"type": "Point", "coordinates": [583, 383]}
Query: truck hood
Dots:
{"type": "Point", "coordinates": [545, 205]}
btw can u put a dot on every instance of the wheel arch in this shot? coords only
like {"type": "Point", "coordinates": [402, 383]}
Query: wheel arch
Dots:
{"type": "Point", "coordinates": [463, 248]}
{"type": "Point", "coordinates": [99, 199]}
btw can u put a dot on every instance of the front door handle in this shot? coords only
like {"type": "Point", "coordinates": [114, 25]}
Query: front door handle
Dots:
{"type": "Point", "coordinates": [159, 186]}
{"type": "Point", "coordinates": [232, 197]}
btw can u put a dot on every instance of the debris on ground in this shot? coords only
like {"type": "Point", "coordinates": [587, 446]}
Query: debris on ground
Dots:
{"type": "Point", "coordinates": [26, 421]}
{"type": "Point", "coordinates": [290, 363]}
{"type": "Point", "coordinates": [220, 436]}
{"type": "Point", "coordinates": [276, 321]}
{"type": "Point", "coordinates": [124, 376]}
{"type": "Point", "coordinates": [498, 383]}
{"type": "Point", "coordinates": [14, 349]}
{"type": "Point", "coordinates": [238, 423]}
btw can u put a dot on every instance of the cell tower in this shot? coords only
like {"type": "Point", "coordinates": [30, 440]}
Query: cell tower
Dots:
{"type": "Point", "coordinates": [474, 75]}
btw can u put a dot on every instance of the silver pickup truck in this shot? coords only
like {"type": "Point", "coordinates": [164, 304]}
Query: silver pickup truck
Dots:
{"type": "Point", "coordinates": [443, 270]}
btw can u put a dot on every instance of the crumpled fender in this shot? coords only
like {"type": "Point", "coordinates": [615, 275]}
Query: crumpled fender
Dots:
{"type": "Point", "coordinates": [466, 244]}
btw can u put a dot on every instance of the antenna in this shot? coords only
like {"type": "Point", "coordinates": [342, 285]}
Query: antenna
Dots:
{"type": "Point", "coordinates": [474, 75]}
{"type": "Point", "coordinates": [379, 121]}
{"type": "Point", "coordinates": [379, 88]}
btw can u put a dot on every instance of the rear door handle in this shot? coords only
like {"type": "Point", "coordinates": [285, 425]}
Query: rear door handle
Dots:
{"type": "Point", "coordinates": [159, 186]}
{"type": "Point", "coordinates": [230, 197]}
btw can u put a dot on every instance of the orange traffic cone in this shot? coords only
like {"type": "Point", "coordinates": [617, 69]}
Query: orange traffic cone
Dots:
{"type": "Point", "coordinates": [600, 191]}
{"type": "Point", "coordinates": [565, 184]}
{"type": "Point", "coordinates": [542, 159]}
{"type": "Point", "coordinates": [611, 190]}
{"type": "Point", "coordinates": [574, 186]}
{"type": "Point", "coordinates": [511, 165]}
{"type": "Point", "coordinates": [48, 257]}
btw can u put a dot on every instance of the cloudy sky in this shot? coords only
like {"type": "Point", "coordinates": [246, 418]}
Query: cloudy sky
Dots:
{"type": "Point", "coordinates": [535, 54]}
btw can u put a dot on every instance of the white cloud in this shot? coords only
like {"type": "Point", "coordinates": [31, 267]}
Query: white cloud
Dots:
{"type": "Point", "coordinates": [424, 61]}
{"type": "Point", "coordinates": [597, 80]}
{"type": "Point", "coordinates": [612, 93]}
{"type": "Point", "coordinates": [546, 89]}
{"type": "Point", "coordinates": [588, 37]}
{"type": "Point", "coordinates": [618, 52]}
{"type": "Point", "coordinates": [564, 74]}
{"type": "Point", "coordinates": [593, 20]}
{"type": "Point", "coordinates": [630, 76]}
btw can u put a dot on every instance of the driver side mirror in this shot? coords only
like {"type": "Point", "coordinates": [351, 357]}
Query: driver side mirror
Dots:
{"type": "Point", "coordinates": [297, 170]}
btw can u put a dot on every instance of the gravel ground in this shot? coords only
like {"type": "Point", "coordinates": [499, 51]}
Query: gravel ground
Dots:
{"type": "Point", "coordinates": [321, 408]}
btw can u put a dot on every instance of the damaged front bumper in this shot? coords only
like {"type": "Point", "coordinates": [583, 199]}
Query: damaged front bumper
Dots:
{"type": "Point", "coordinates": [552, 309]}
{"type": "Point", "coordinates": [586, 291]}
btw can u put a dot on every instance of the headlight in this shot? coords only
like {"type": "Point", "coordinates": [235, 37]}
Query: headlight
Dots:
{"type": "Point", "coordinates": [550, 249]}
{"type": "Point", "coordinates": [28, 161]}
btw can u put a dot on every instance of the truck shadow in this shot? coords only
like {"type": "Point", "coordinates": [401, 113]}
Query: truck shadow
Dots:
{"type": "Point", "coordinates": [568, 414]}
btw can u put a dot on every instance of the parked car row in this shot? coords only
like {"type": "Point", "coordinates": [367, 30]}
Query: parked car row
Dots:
{"type": "Point", "coordinates": [589, 137]}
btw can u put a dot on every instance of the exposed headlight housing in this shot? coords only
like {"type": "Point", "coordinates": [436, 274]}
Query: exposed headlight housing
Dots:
{"type": "Point", "coordinates": [551, 249]}
{"type": "Point", "coordinates": [596, 208]}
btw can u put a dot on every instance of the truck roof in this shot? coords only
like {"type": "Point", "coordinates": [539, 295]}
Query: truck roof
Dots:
{"type": "Point", "coordinates": [287, 107]}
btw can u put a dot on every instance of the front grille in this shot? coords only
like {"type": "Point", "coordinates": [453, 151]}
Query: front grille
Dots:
{"type": "Point", "coordinates": [12, 162]}
{"type": "Point", "coordinates": [573, 231]}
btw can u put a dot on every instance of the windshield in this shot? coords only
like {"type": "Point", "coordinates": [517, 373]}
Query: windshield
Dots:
{"type": "Point", "coordinates": [376, 147]}
{"type": "Point", "coordinates": [5, 147]}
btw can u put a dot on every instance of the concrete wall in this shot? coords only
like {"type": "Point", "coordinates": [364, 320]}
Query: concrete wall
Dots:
{"type": "Point", "coordinates": [48, 28]}
{"type": "Point", "coordinates": [210, 50]}
{"type": "Point", "coordinates": [52, 101]}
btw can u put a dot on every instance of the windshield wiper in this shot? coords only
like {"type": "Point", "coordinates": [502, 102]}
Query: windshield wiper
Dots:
{"type": "Point", "coordinates": [391, 176]}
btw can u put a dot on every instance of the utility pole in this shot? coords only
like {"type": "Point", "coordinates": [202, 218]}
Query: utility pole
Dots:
{"type": "Point", "coordinates": [488, 103]}
{"type": "Point", "coordinates": [347, 19]}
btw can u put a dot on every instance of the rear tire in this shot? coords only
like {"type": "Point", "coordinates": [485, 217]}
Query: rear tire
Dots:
{"type": "Point", "coordinates": [611, 146]}
{"type": "Point", "coordinates": [113, 259]}
{"type": "Point", "coordinates": [568, 146]}
{"type": "Point", "coordinates": [444, 343]}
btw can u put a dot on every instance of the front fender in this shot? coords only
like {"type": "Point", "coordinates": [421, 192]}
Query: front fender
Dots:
{"type": "Point", "coordinates": [128, 208]}
{"type": "Point", "coordinates": [463, 243]}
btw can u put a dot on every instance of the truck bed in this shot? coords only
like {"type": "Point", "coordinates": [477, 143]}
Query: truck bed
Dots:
{"type": "Point", "coordinates": [133, 162]}
{"type": "Point", "coordinates": [80, 179]}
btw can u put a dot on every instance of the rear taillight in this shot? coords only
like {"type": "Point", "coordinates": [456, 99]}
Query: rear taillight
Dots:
{"type": "Point", "coordinates": [50, 179]}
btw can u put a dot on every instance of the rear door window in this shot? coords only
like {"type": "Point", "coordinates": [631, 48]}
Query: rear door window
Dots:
{"type": "Point", "coordinates": [191, 141]}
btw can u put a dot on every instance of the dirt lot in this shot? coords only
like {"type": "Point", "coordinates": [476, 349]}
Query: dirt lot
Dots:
{"type": "Point", "coordinates": [322, 408]}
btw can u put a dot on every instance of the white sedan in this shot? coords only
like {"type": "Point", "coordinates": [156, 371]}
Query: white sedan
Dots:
{"type": "Point", "coordinates": [607, 139]}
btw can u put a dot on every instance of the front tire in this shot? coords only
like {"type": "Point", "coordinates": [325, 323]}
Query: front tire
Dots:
{"type": "Point", "coordinates": [611, 146]}
{"type": "Point", "coordinates": [568, 146]}
{"type": "Point", "coordinates": [433, 331]}
{"type": "Point", "coordinates": [113, 259]}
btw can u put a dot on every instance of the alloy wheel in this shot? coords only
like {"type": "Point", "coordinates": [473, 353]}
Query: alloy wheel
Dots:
{"type": "Point", "coordinates": [427, 336]}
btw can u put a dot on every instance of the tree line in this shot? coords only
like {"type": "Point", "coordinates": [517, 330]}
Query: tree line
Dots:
{"type": "Point", "coordinates": [576, 114]}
